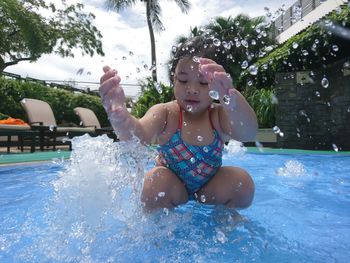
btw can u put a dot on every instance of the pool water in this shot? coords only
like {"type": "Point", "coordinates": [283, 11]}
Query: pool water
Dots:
{"type": "Point", "coordinates": [87, 209]}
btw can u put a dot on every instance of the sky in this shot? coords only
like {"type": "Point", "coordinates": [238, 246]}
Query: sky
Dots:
{"type": "Point", "coordinates": [126, 41]}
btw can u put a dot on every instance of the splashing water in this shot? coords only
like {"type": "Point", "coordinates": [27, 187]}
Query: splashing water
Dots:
{"type": "Point", "coordinates": [235, 148]}
{"type": "Point", "coordinates": [98, 192]}
{"type": "Point", "coordinates": [292, 168]}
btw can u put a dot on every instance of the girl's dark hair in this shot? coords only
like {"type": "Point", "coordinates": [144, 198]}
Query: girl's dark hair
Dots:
{"type": "Point", "coordinates": [198, 46]}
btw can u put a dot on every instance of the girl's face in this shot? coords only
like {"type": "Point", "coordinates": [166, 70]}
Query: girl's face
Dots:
{"type": "Point", "coordinates": [191, 87]}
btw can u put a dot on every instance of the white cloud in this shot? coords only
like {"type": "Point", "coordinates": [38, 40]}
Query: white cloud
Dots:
{"type": "Point", "coordinates": [127, 31]}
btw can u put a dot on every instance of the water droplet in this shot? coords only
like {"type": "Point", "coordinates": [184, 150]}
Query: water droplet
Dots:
{"type": "Point", "coordinates": [317, 93]}
{"type": "Point", "coordinates": [205, 149]}
{"type": "Point", "coordinates": [138, 70]}
{"type": "Point", "coordinates": [166, 211]}
{"type": "Point", "coordinates": [203, 199]}
{"type": "Point", "coordinates": [226, 99]}
{"type": "Point", "coordinates": [244, 64]}
{"type": "Point", "coordinates": [220, 236]}
{"type": "Point", "coordinates": [195, 59]}
{"type": "Point", "coordinates": [335, 147]}
{"type": "Point", "coordinates": [274, 99]}
{"type": "Point", "coordinates": [145, 66]}
{"type": "Point", "coordinates": [244, 43]}
{"type": "Point", "coordinates": [335, 48]}
{"type": "Point", "coordinates": [295, 45]}
{"type": "Point", "coordinates": [185, 123]}
{"type": "Point", "coordinates": [161, 194]}
{"type": "Point", "coordinates": [193, 160]}
{"type": "Point", "coordinates": [80, 71]}
{"type": "Point", "coordinates": [189, 108]}
{"type": "Point", "coordinates": [305, 52]}
{"type": "Point", "coordinates": [348, 110]}
{"type": "Point", "coordinates": [51, 127]}
{"type": "Point", "coordinates": [152, 67]}
{"type": "Point", "coordinates": [259, 146]}
{"type": "Point", "coordinates": [214, 94]}
{"type": "Point", "coordinates": [159, 88]}
{"type": "Point", "coordinates": [276, 130]}
{"type": "Point", "coordinates": [174, 49]}
{"type": "Point", "coordinates": [131, 53]}
{"type": "Point", "coordinates": [216, 42]}
{"type": "Point", "coordinates": [124, 58]}
{"type": "Point", "coordinates": [199, 138]}
{"type": "Point", "coordinates": [250, 83]}
{"type": "Point", "coordinates": [325, 82]}
{"type": "Point", "coordinates": [253, 70]}
{"type": "Point", "coordinates": [253, 42]}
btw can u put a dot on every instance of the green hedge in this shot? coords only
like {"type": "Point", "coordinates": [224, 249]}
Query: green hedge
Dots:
{"type": "Point", "coordinates": [61, 101]}
{"type": "Point", "coordinates": [317, 40]}
{"type": "Point", "coordinates": [150, 95]}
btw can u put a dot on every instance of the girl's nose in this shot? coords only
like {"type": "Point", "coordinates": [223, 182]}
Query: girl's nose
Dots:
{"type": "Point", "coordinates": [192, 90]}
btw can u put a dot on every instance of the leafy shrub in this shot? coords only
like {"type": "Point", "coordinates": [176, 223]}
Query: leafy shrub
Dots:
{"type": "Point", "coordinates": [263, 103]}
{"type": "Point", "coordinates": [152, 93]}
{"type": "Point", "coordinates": [61, 101]}
{"type": "Point", "coordinates": [319, 45]}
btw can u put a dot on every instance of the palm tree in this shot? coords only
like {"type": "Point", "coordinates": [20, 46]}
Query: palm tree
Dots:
{"type": "Point", "coordinates": [153, 13]}
{"type": "Point", "coordinates": [239, 39]}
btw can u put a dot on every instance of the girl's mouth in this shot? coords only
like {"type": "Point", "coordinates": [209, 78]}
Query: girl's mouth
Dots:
{"type": "Point", "coordinates": [191, 101]}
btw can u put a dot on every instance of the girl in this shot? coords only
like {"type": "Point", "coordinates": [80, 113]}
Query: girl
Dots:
{"type": "Point", "coordinates": [190, 132]}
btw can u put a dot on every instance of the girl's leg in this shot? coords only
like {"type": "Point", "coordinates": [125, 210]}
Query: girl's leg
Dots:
{"type": "Point", "coordinates": [162, 189]}
{"type": "Point", "coordinates": [231, 186]}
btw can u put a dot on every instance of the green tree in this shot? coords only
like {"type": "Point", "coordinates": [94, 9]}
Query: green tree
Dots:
{"type": "Point", "coordinates": [31, 28]}
{"type": "Point", "coordinates": [153, 13]}
{"type": "Point", "coordinates": [239, 41]}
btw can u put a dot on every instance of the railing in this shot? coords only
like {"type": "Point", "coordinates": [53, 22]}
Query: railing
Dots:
{"type": "Point", "coordinates": [294, 14]}
{"type": "Point", "coordinates": [89, 87]}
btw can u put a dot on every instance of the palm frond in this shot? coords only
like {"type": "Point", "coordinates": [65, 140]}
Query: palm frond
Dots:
{"type": "Point", "coordinates": [184, 5]}
{"type": "Point", "coordinates": [155, 14]}
{"type": "Point", "coordinates": [119, 5]}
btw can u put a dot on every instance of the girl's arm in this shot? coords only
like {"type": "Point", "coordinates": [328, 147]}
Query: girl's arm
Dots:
{"type": "Point", "coordinates": [147, 129]}
{"type": "Point", "coordinates": [236, 118]}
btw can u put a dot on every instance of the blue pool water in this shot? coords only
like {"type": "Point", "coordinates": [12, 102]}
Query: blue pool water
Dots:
{"type": "Point", "coordinates": [87, 210]}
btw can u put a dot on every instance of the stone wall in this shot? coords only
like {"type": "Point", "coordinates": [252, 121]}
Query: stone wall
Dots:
{"type": "Point", "coordinates": [311, 115]}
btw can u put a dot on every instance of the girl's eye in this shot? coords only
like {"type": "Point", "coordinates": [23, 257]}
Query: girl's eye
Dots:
{"type": "Point", "coordinates": [182, 81]}
{"type": "Point", "coordinates": [203, 83]}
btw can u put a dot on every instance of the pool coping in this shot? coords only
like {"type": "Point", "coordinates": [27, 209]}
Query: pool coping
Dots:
{"type": "Point", "coordinates": [25, 158]}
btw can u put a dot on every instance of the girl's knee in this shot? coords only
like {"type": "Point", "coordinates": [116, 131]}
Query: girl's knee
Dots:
{"type": "Point", "coordinates": [232, 186]}
{"type": "Point", "coordinates": [162, 189]}
{"type": "Point", "coordinates": [242, 194]}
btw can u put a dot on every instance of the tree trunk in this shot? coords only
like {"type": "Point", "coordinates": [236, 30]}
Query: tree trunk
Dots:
{"type": "Point", "coordinates": [153, 43]}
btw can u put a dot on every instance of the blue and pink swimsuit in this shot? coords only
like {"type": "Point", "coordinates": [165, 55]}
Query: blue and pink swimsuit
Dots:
{"type": "Point", "coordinates": [194, 165]}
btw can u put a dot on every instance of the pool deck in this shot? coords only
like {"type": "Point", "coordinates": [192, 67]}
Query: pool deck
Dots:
{"type": "Point", "coordinates": [47, 156]}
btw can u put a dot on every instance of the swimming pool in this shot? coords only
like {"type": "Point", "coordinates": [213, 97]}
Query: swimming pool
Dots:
{"type": "Point", "coordinates": [87, 210]}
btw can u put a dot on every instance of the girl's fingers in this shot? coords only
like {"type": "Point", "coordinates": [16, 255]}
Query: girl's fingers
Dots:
{"type": "Point", "coordinates": [109, 74]}
{"type": "Point", "coordinates": [204, 61]}
{"type": "Point", "coordinates": [106, 69]}
{"type": "Point", "coordinates": [109, 84]}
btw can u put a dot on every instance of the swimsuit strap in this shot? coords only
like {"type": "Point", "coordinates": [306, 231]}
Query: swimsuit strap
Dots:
{"type": "Point", "coordinates": [181, 118]}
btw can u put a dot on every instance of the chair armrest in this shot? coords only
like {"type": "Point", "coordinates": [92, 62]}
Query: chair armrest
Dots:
{"type": "Point", "coordinates": [44, 128]}
{"type": "Point", "coordinates": [104, 129]}
{"type": "Point", "coordinates": [36, 122]}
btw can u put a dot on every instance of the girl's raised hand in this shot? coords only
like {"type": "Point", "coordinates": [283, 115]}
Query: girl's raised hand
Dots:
{"type": "Point", "coordinates": [218, 79]}
{"type": "Point", "coordinates": [112, 94]}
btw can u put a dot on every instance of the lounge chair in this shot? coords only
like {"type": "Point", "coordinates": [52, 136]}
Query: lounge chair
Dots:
{"type": "Point", "coordinates": [22, 132]}
{"type": "Point", "coordinates": [41, 118]}
{"type": "Point", "coordinates": [88, 119]}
